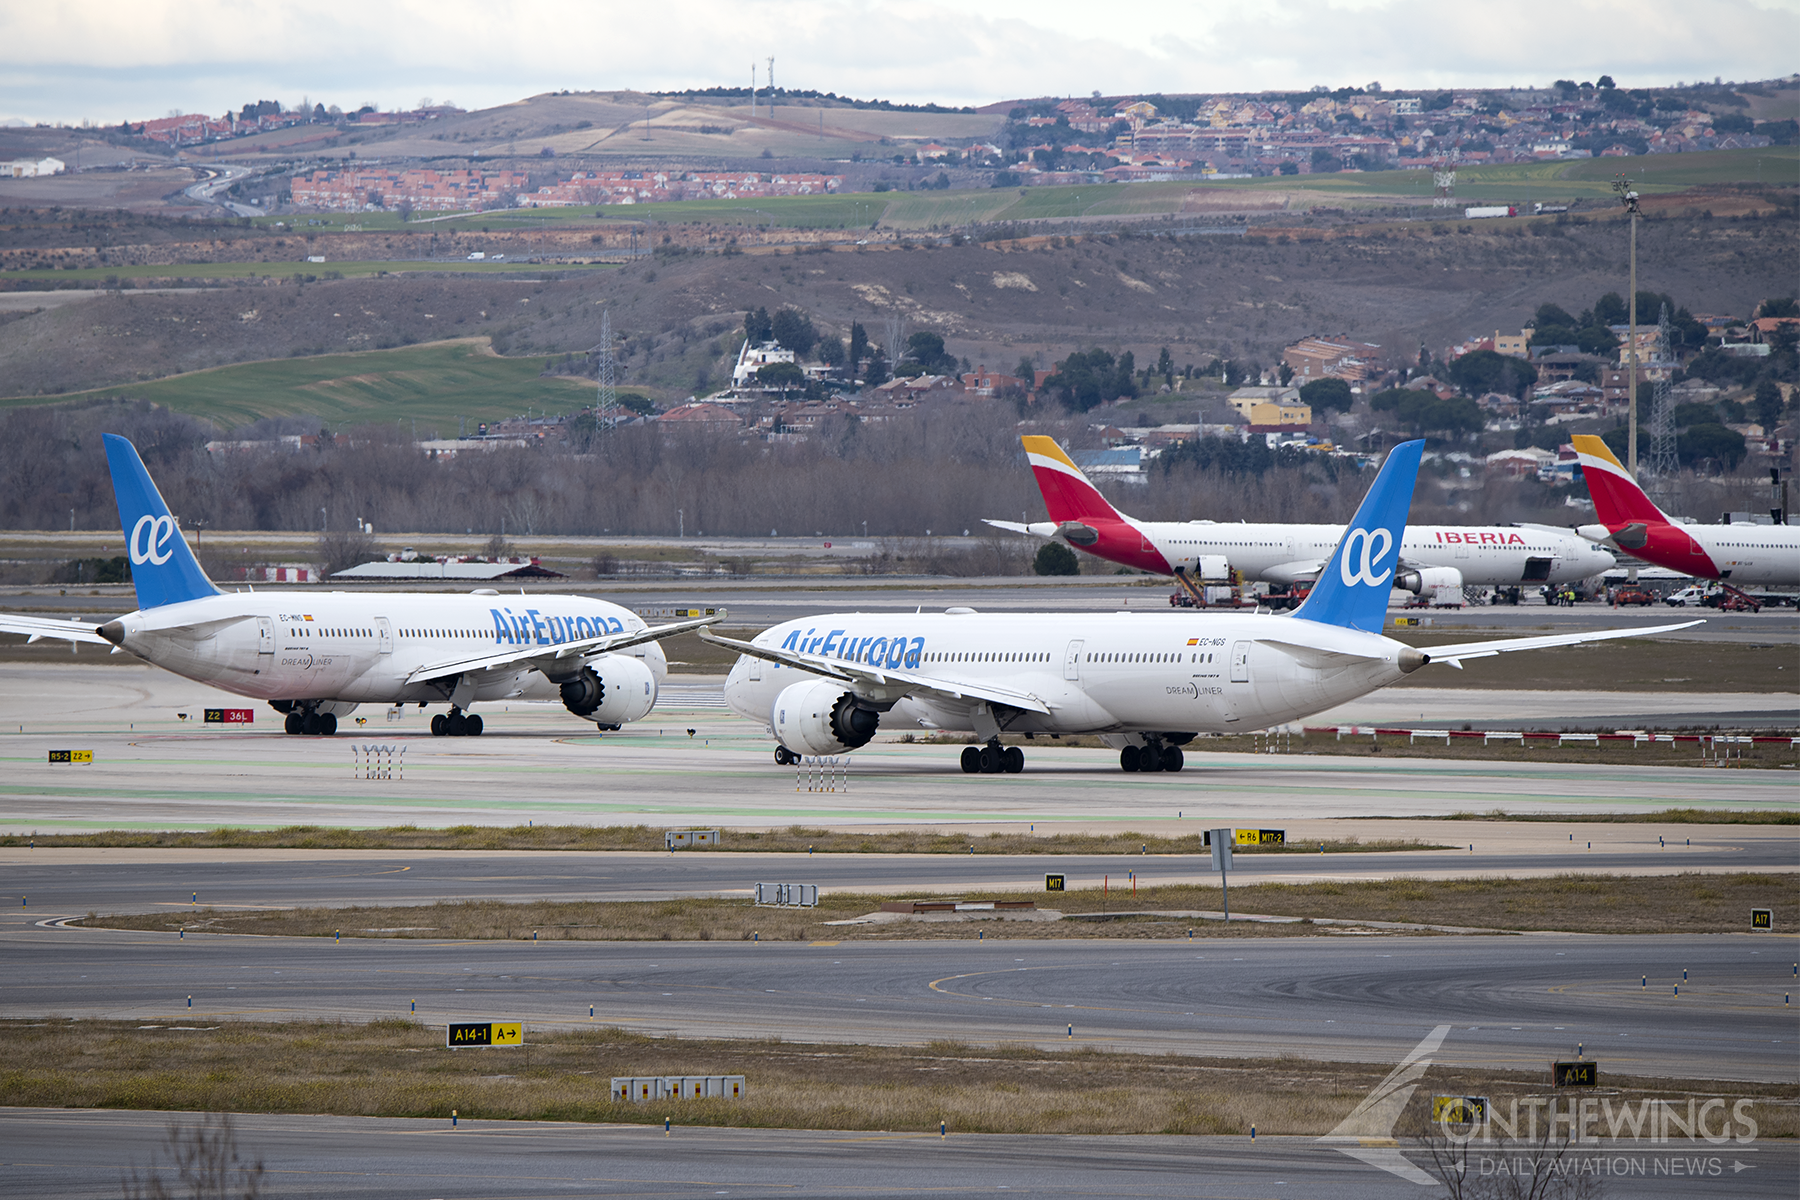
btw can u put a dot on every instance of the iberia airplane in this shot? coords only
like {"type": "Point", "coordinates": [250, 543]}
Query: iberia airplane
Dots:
{"type": "Point", "coordinates": [1630, 520]}
{"type": "Point", "coordinates": [1433, 556]}
{"type": "Point", "coordinates": [1147, 682]}
{"type": "Point", "coordinates": [316, 655]}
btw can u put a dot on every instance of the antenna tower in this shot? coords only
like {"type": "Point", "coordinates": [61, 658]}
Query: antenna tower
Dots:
{"type": "Point", "coordinates": [606, 401]}
{"type": "Point", "coordinates": [771, 87]}
{"type": "Point", "coordinates": [1443, 182]}
{"type": "Point", "coordinates": [1662, 462]}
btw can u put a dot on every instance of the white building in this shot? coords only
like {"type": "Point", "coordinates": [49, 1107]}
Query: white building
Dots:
{"type": "Point", "coordinates": [27, 168]}
{"type": "Point", "coordinates": [750, 360]}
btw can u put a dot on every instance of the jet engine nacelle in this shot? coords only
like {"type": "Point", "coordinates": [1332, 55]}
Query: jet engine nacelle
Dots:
{"type": "Point", "coordinates": [1428, 579]}
{"type": "Point", "coordinates": [611, 690]}
{"type": "Point", "coordinates": [820, 717]}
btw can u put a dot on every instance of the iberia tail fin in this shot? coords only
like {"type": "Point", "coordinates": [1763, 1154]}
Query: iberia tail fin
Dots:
{"type": "Point", "coordinates": [1618, 500]}
{"type": "Point", "coordinates": [1067, 493]}
{"type": "Point", "coordinates": [163, 568]}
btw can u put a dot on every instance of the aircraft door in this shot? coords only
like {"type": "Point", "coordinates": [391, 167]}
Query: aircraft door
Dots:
{"type": "Point", "coordinates": [1072, 661]}
{"type": "Point", "coordinates": [265, 635]}
{"type": "Point", "coordinates": [1240, 662]}
{"type": "Point", "coordinates": [384, 635]}
{"type": "Point", "coordinates": [755, 670]}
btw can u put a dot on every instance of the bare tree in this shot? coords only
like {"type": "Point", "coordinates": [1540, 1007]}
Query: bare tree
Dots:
{"type": "Point", "coordinates": [339, 551]}
{"type": "Point", "coordinates": [1540, 1166]}
{"type": "Point", "coordinates": [206, 1164]}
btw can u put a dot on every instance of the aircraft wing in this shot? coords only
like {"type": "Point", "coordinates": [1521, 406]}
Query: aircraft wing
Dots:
{"type": "Point", "coordinates": [1453, 655]}
{"type": "Point", "coordinates": [1043, 529]}
{"type": "Point", "coordinates": [880, 681]}
{"type": "Point", "coordinates": [538, 658]}
{"type": "Point", "coordinates": [38, 628]}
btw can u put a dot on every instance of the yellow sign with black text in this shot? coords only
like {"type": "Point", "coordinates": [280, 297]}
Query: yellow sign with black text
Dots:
{"type": "Point", "coordinates": [71, 756]}
{"type": "Point", "coordinates": [1260, 837]}
{"type": "Point", "coordinates": [1459, 1110]}
{"type": "Point", "coordinates": [484, 1033]}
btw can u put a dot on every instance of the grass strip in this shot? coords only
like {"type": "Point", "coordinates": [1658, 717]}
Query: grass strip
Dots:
{"type": "Point", "coordinates": [399, 1068]}
{"type": "Point", "coordinates": [1601, 904]}
{"type": "Point", "coordinates": [795, 839]}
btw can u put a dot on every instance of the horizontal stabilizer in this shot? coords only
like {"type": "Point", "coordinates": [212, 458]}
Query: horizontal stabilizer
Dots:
{"type": "Point", "coordinates": [46, 627]}
{"type": "Point", "coordinates": [1453, 655]}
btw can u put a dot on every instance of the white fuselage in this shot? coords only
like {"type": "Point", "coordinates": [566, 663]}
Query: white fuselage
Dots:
{"type": "Point", "coordinates": [361, 647]}
{"type": "Point", "coordinates": [1485, 555]}
{"type": "Point", "coordinates": [1740, 554]}
{"type": "Point", "coordinates": [1103, 673]}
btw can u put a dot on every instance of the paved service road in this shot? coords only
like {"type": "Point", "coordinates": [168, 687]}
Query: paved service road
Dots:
{"type": "Point", "coordinates": [62, 1155]}
{"type": "Point", "coordinates": [1514, 1002]}
{"type": "Point", "coordinates": [75, 881]}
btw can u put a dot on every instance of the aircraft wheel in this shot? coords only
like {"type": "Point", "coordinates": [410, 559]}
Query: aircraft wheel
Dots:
{"type": "Point", "coordinates": [455, 724]}
{"type": "Point", "coordinates": [440, 725]}
{"type": "Point", "coordinates": [1173, 759]}
{"type": "Point", "coordinates": [309, 723]}
{"type": "Point", "coordinates": [472, 725]}
{"type": "Point", "coordinates": [989, 759]}
{"type": "Point", "coordinates": [783, 757]}
{"type": "Point", "coordinates": [294, 723]}
{"type": "Point", "coordinates": [971, 760]}
{"type": "Point", "coordinates": [1150, 759]}
{"type": "Point", "coordinates": [327, 724]}
{"type": "Point", "coordinates": [1128, 759]}
{"type": "Point", "coordinates": [1012, 760]}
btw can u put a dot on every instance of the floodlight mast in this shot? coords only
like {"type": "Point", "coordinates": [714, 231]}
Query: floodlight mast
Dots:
{"type": "Point", "coordinates": [1629, 198]}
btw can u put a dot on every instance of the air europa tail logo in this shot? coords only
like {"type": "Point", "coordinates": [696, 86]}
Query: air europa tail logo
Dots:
{"type": "Point", "coordinates": [1372, 545]}
{"type": "Point", "coordinates": [150, 539]}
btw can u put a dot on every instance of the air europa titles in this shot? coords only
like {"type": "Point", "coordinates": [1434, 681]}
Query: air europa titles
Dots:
{"type": "Point", "coordinates": [890, 652]}
{"type": "Point", "coordinates": [1486, 537]}
{"type": "Point", "coordinates": [534, 628]}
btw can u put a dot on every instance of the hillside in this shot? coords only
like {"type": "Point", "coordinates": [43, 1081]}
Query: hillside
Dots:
{"type": "Point", "coordinates": [1401, 284]}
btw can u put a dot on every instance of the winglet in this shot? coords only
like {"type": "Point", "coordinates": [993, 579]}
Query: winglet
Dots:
{"type": "Point", "coordinates": [1353, 588]}
{"type": "Point", "coordinates": [163, 568]}
{"type": "Point", "coordinates": [1067, 493]}
{"type": "Point", "coordinates": [1618, 500]}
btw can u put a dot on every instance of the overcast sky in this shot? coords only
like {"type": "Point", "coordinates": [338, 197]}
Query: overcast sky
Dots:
{"type": "Point", "coordinates": [110, 60]}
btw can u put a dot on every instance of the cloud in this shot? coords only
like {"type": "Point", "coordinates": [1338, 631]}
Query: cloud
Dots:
{"type": "Point", "coordinates": [109, 59]}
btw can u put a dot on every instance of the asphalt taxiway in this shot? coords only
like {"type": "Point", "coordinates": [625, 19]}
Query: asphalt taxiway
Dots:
{"type": "Point", "coordinates": [1515, 1002]}
{"type": "Point", "coordinates": [695, 762]}
{"type": "Point", "coordinates": [77, 1155]}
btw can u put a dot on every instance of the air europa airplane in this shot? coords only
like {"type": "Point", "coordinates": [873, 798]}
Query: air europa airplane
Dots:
{"type": "Point", "coordinates": [1768, 554]}
{"type": "Point", "coordinates": [315, 656]}
{"type": "Point", "coordinates": [1433, 556]}
{"type": "Point", "coordinates": [1147, 682]}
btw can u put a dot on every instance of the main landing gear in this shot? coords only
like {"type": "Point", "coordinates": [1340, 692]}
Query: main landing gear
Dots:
{"type": "Point", "coordinates": [1153, 755]}
{"type": "Point", "coordinates": [992, 759]}
{"type": "Point", "coordinates": [456, 723]}
{"type": "Point", "coordinates": [309, 722]}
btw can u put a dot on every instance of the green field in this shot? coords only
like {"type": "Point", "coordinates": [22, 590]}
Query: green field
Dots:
{"type": "Point", "coordinates": [263, 270]}
{"type": "Point", "coordinates": [434, 384]}
{"type": "Point", "coordinates": [1516, 183]}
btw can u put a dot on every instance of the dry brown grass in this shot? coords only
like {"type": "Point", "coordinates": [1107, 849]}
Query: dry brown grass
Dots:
{"type": "Point", "coordinates": [396, 1068]}
{"type": "Point", "coordinates": [1572, 903]}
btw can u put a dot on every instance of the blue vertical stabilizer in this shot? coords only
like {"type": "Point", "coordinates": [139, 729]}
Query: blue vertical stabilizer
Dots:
{"type": "Point", "coordinates": [163, 568]}
{"type": "Point", "coordinates": [1354, 587]}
